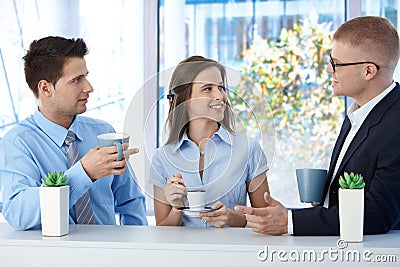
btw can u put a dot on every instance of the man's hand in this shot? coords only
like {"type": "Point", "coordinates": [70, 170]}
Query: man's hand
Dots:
{"type": "Point", "coordinates": [270, 220]}
{"type": "Point", "coordinates": [100, 162]}
{"type": "Point", "coordinates": [128, 151]}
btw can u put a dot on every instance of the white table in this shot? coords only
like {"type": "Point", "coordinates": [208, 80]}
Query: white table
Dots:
{"type": "Point", "coordinates": [181, 246]}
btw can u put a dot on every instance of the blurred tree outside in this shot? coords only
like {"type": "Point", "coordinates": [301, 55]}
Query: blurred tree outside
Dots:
{"type": "Point", "coordinates": [285, 94]}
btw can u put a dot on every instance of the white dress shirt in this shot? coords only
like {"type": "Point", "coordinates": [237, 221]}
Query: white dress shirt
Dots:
{"type": "Point", "coordinates": [357, 116]}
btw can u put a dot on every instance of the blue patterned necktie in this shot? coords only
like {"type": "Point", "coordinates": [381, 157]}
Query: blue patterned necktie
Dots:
{"type": "Point", "coordinates": [83, 206]}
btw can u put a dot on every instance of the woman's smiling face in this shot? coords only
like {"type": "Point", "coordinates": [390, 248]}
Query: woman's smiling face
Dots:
{"type": "Point", "coordinates": [208, 97]}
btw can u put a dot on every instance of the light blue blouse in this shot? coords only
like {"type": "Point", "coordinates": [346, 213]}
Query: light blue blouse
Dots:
{"type": "Point", "coordinates": [230, 161]}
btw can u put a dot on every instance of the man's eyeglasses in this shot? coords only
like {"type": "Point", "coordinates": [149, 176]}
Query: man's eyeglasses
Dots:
{"type": "Point", "coordinates": [348, 64]}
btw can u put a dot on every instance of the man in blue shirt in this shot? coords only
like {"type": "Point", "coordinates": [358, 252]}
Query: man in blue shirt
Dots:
{"type": "Point", "coordinates": [55, 70]}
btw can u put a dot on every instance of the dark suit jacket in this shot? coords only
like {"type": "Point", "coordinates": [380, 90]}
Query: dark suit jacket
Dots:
{"type": "Point", "coordinates": [374, 153]}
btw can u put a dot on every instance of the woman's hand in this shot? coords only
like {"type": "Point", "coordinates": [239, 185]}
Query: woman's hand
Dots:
{"type": "Point", "coordinates": [175, 190]}
{"type": "Point", "coordinates": [218, 218]}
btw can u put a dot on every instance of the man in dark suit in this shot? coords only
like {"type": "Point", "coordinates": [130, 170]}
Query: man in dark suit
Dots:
{"type": "Point", "coordinates": [364, 56]}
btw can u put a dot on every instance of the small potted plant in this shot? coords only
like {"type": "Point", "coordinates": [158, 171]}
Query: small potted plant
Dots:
{"type": "Point", "coordinates": [54, 204]}
{"type": "Point", "coordinates": [351, 207]}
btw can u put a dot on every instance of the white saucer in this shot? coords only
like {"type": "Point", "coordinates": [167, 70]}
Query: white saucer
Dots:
{"type": "Point", "coordinates": [195, 213]}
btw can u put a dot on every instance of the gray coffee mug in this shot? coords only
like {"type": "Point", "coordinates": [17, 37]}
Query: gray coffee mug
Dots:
{"type": "Point", "coordinates": [311, 184]}
{"type": "Point", "coordinates": [113, 139]}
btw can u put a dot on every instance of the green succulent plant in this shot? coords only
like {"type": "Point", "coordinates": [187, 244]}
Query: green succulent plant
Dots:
{"type": "Point", "coordinates": [55, 179]}
{"type": "Point", "coordinates": [351, 181]}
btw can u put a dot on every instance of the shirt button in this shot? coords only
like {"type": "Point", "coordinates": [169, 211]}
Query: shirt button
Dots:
{"type": "Point", "coordinates": [204, 221]}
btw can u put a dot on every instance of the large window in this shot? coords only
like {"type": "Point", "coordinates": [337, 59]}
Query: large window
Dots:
{"type": "Point", "coordinates": [281, 50]}
{"type": "Point", "coordinates": [114, 62]}
{"type": "Point", "coordinates": [123, 40]}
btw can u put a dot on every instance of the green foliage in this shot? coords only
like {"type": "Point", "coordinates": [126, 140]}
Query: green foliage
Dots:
{"type": "Point", "coordinates": [55, 179]}
{"type": "Point", "coordinates": [285, 82]}
{"type": "Point", "coordinates": [351, 181]}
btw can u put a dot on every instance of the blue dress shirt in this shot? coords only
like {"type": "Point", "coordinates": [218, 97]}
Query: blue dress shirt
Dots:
{"type": "Point", "coordinates": [35, 147]}
{"type": "Point", "coordinates": [230, 161]}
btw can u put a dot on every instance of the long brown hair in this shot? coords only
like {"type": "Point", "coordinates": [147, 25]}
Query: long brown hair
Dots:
{"type": "Point", "coordinates": [180, 90]}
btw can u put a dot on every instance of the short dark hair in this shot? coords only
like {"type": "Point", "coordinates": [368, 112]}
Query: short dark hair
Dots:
{"type": "Point", "coordinates": [180, 90]}
{"type": "Point", "coordinates": [46, 57]}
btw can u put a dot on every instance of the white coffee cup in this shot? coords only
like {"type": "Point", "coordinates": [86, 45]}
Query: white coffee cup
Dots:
{"type": "Point", "coordinates": [196, 199]}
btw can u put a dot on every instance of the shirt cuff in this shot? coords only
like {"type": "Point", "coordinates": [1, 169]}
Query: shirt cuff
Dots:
{"type": "Point", "coordinates": [290, 223]}
{"type": "Point", "coordinates": [78, 181]}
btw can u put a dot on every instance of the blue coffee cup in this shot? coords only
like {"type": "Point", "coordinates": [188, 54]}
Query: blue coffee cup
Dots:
{"type": "Point", "coordinates": [113, 139]}
{"type": "Point", "coordinates": [311, 184]}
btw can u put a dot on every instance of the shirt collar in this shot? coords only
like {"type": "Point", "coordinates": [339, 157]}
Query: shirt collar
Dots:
{"type": "Point", "coordinates": [222, 134]}
{"type": "Point", "coordinates": [55, 132]}
{"type": "Point", "coordinates": [358, 114]}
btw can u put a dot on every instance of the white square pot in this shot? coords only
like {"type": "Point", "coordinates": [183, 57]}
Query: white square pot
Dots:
{"type": "Point", "coordinates": [351, 214]}
{"type": "Point", "coordinates": [54, 210]}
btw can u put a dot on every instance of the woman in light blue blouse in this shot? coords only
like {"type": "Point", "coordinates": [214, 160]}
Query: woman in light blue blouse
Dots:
{"type": "Point", "coordinates": [203, 152]}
